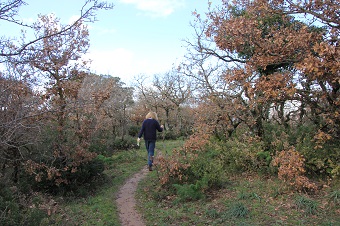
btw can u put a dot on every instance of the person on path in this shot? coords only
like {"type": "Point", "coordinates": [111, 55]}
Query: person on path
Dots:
{"type": "Point", "coordinates": [149, 129]}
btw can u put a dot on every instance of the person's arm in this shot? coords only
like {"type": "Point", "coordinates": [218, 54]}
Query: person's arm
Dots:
{"type": "Point", "coordinates": [159, 127]}
{"type": "Point", "coordinates": [140, 134]}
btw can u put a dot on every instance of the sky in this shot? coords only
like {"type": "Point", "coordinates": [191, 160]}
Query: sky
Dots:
{"type": "Point", "coordinates": [136, 37]}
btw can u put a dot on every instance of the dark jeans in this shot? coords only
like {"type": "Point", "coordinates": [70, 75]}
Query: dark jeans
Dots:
{"type": "Point", "coordinates": [150, 147]}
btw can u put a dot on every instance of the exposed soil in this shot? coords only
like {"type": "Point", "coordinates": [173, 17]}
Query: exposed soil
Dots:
{"type": "Point", "coordinates": [126, 201]}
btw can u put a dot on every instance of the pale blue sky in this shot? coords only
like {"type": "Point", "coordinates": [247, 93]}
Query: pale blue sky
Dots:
{"type": "Point", "coordinates": [135, 37]}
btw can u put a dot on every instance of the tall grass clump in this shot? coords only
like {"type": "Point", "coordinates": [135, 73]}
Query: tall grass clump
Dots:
{"type": "Point", "coordinates": [334, 196]}
{"type": "Point", "coordinates": [305, 204]}
{"type": "Point", "coordinates": [237, 210]}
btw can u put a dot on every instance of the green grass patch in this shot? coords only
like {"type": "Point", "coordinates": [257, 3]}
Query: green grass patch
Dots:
{"type": "Point", "coordinates": [335, 196]}
{"type": "Point", "coordinates": [247, 200]}
{"type": "Point", "coordinates": [306, 204]}
{"type": "Point", "coordinates": [100, 208]}
{"type": "Point", "coordinates": [238, 210]}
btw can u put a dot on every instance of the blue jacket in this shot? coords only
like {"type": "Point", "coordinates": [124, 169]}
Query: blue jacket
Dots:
{"type": "Point", "coordinates": [149, 128]}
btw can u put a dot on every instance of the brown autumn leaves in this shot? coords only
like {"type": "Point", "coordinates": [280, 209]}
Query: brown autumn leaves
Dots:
{"type": "Point", "coordinates": [272, 67]}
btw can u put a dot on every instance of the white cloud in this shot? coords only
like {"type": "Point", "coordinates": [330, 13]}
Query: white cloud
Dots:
{"type": "Point", "coordinates": [29, 20]}
{"type": "Point", "coordinates": [114, 62]}
{"type": "Point", "coordinates": [73, 19]}
{"type": "Point", "coordinates": [125, 64]}
{"type": "Point", "coordinates": [105, 31]}
{"type": "Point", "coordinates": [156, 8]}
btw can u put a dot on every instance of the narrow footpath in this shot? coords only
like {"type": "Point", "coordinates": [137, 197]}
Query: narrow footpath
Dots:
{"type": "Point", "coordinates": [126, 202]}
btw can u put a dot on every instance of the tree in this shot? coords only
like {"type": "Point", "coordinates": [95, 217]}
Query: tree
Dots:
{"type": "Point", "coordinates": [42, 127]}
{"type": "Point", "coordinates": [269, 43]}
{"type": "Point", "coordinates": [55, 60]}
{"type": "Point", "coordinates": [174, 92]}
{"type": "Point", "coordinates": [111, 101]}
{"type": "Point", "coordinates": [206, 66]}
{"type": "Point", "coordinates": [9, 11]}
{"type": "Point", "coordinates": [31, 108]}
{"type": "Point", "coordinates": [320, 68]}
{"type": "Point", "coordinates": [168, 94]}
{"type": "Point", "coordinates": [260, 47]}
{"type": "Point", "coordinates": [20, 122]}
{"type": "Point", "coordinates": [278, 67]}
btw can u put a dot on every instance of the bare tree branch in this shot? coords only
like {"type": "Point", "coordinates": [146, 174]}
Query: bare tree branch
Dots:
{"type": "Point", "coordinates": [9, 10]}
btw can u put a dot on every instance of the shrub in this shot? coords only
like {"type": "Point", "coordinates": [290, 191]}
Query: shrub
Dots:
{"type": "Point", "coordinates": [321, 155]}
{"type": "Point", "coordinates": [208, 167]}
{"type": "Point", "coordinates": [241, 155]}
{"type": "Point", "coordinates": [99, 148]}
{"type": "Point", "coordinates": [172, 169]}
{"type": "Point", "coordinates": [34, 217]}
{"type": "Point", "coordinates": [123, 144]}
{"type": "Point", "coordinates": [17, 208]}
{"type": "Point", "coordinates": [291, 170]}
{"type": "Point", "coordinates": [323, 161]}
{"type": "Point", "coordinates": [168, 135]}
{"type": "Point", "coordinates": [106, 160]}
{"type": "Point", "coordinates": [191, 164]}
{"type": "Point", "coordinates": [205, 159]}
{"type": "Point", "coordinates": [74, 179]}
{"type": "Point", "coordinates": [9, 207]}
{"type": "Point", "coordinates": [133, 131]}
{"type": "Point", "coordinates": [189, 192]}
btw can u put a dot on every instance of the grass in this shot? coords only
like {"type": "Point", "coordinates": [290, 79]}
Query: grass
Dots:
{"type": "Point", "coordinates": [307, 205]}
{"type": "Point", "coordinates": [100, 208]}
{"type": "Point", "coordinates": [246, 200]}
{"type": "Point", "coordinates": [239, 204]}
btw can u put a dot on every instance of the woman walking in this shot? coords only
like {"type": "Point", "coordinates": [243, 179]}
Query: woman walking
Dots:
{"type": "Point", "coordinates": [149, 129]}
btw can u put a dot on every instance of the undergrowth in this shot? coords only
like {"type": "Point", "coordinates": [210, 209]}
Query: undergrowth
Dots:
{"type": "Point", "coordinates": [247, 199]}
{"type": "Point", "coordinates": [100, 208]}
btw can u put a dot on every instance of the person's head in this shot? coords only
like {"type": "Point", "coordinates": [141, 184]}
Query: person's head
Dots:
{"type": "Point", "coordinates": [152, 115]}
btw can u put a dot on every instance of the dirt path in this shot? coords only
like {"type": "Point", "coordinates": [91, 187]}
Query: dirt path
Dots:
{"type": "Point", "coordinates": [126, 201]}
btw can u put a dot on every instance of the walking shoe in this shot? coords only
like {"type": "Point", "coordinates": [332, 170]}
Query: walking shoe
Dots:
{"type": "Point", "coordinates": [150, 168]}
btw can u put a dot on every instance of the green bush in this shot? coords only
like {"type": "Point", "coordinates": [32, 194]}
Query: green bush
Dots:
{"type": "Point", "coordinates": [321, 161]}
{"type": "Point", "coordinates": [15, 209]}
{"type": "Point", "coordinates": [133, 131]}
{"type": "Point", "coordinates": [106, 160]}
{"type": "Point", "coordinates": [87, 171]}
{"type": "Point", "coordinates": [241, 157]}
{"type": "Point", "coordinates": [111, 146]}
{"type": "Point", "coordinates": [9, 207]}
{"type": "Point", "coordinates": [34, 217]}
{"type": "Point", "coordinates": [168, 135]}
{"type": "Point", "coordinates": [123, 144]}
{"type": "Point", "coordinates": [99, 148]}
{"type": "Point", "coordinates": [77, 182]}
{"type": "Point", "coordinates": [208, 167]}
{"type": "Point", "coordinates": [220, 158]}
{"type": "Point", "coordinates": [189, 192]}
